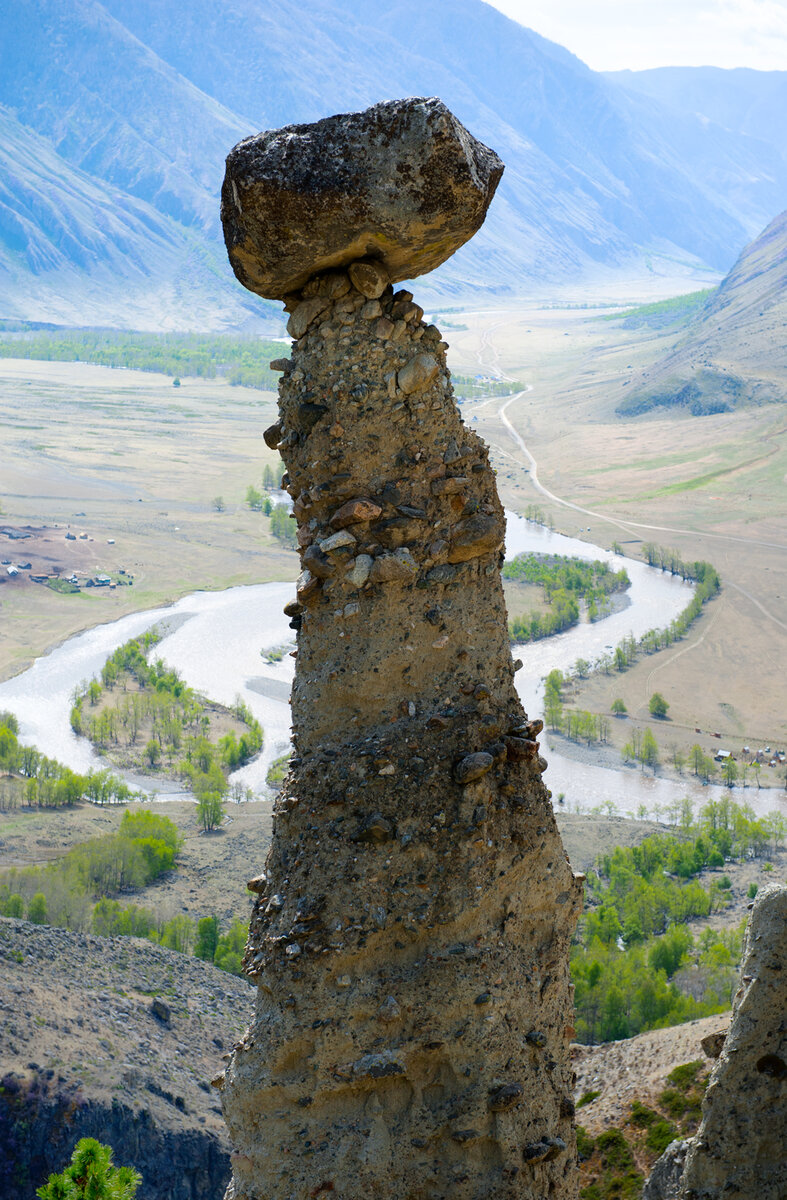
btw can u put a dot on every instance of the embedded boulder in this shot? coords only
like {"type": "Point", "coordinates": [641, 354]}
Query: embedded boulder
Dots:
{"type": "Point", "coordinates": [402, 185]}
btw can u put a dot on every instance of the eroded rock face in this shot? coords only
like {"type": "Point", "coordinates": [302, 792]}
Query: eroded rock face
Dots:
{"type": "Point", "coordinates": [403, 184]}
{"type": "Point", "coordinates": [411, 940]}
{"type": "Point", "coordinates": [738, 1152]}
{"type": "Point", "coordinates": [410, 934]}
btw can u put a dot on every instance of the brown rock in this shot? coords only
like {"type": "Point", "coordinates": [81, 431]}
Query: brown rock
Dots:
{"type": "Point", "coordinates": [406, 879]}
{"type": "Point", "coordinates": [713, 1044]}
{"type": "Point", "coordinates": [448, 487]}
{"type": "Point", "coordinates": [403, 183]}
{"type": "Point", "coordinates": [473, 766]}
{"type": "Point", "coordinates": [368, 277]}
{"type": "Point", "coordinates": [476, 536]}
{"type": "Point", "coordinates": [418, 374]}
{"type": "Point", "coordinates": [398, 567]}
{"type": "Point", "coordinates": [354, 512]}
{"type": "Point", "coordinates": [303, 316]}
{"type": "Point", "coordinates": [272, 435]}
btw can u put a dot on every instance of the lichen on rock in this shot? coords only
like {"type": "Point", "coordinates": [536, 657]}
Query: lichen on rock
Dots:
{"type": "Point", "coordinates": [402, 185]}
{"type": "Point", "coordinates": [410, 939]}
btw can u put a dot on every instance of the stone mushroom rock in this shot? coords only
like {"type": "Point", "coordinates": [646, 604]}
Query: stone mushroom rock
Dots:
{"type": "Point", "coordinates": [402, 185]}
{"type": "Point", "coordinates": [415, 863]}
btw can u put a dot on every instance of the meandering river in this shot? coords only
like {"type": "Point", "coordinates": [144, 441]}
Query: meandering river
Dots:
{"type": "Point", "coordinates": [215, 641]}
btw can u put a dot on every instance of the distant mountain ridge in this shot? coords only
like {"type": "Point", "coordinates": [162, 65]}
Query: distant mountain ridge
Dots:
{"type": "Point", "coordinates": [144, 101]}
{"type": "Point", "coordinates": [734, 350]}
{"type": "Point", "coordinates": [739, 99]}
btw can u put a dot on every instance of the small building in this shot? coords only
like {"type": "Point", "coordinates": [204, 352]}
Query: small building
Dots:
{"type": "Point", "coordinates": [721, 755]}
{"type": "Point", "coordinates": [12, 570]}
{"type": "Point", "coordinates": [71, 537]}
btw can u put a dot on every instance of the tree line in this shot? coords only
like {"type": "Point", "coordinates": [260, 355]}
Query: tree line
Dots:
{"type": "Point", "coordinates": [241, 361]}
{"type": "Point", "coordinates": [565, 581]}
{"type": "Point", "coordinates": [632, 940]}
{"type": "Point", "coordinates": [31, 778]}
{"type": "Point", "coordinates": [174, 718]}
{"type": "Point", "coordinates": [63, 892]}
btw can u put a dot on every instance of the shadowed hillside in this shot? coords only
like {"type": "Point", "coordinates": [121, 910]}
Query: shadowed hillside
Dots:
{"type": "Point", "coordinates": [733, 350]}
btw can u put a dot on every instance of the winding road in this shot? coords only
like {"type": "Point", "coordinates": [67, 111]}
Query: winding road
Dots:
{"type": "Point", "coordinates": [488, 359]}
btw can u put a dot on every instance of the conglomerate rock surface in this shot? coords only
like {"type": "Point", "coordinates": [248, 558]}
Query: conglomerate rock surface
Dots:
{"type": "Point", "coordinates": [410, 933]}
{"type": "Point", "coordinates": [403, 182]}
{"type": "Point", "coordinates": [740, 1149]}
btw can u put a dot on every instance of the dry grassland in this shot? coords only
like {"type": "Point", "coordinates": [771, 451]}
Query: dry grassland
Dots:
{"type": "Point", "coordinates": [711, 487]}
{"type": "Point", "coordinates": [124, 455]}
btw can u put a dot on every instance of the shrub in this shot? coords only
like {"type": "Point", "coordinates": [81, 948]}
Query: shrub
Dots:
{"type": "Point", "coordinates": [230, 947]}
{"type": "Point", "coordinates": [642, 1116]}
{"type": "Point", "coordinates": [207, 939]}
{"type": "Point", "coordinates": [684, 1077]}
{"type": "Point", "coordinates": [140, 825]}
{"type": "Point", "coordinates": [36, 911]}
{"type": "Point", "coordinates": [585, 1143]}
{"type": "Point", "coordinates": [660, 1134]}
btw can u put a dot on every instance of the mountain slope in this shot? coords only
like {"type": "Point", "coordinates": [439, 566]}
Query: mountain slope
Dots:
{"type": "Point", "coordinates": [117, 1039]}
{"type": "Point", "coordinates": [592, 167]}
{"type": "Point", "coordinates": [144, 100]}
{"type": "Point", "coordinates": [734, 350]}
{"type": "Point", "coordinates": [740, 99]}
{"type": "Point", "coordinates": [74, 249]}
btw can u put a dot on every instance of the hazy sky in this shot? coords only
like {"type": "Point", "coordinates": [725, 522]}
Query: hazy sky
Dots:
{"type": "Point", "coordinates": [609, 35]}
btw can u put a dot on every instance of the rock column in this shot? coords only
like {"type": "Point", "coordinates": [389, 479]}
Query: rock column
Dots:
{"type": "Point", "coordinates": [740, 1149]}
{"type": "Point", "coordinates": [410, 932]}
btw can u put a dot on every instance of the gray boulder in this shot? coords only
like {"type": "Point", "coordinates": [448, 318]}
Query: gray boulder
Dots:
{"type": "Point", "coordinates": [402, 184]}
{"type": "Point", "coordinates": [665, 1178]}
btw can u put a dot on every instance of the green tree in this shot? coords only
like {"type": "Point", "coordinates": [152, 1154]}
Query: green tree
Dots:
{"type": "Point", "coordinates": [217, 503]}
{"type": "Point", "coordinates": [649, 751]}
{"type": "Point", "coordinates": [36, 910]}
{"type": "Point", "coordinates": [178, 934]}
{"type": "Point", "coordinates": [253, 498]}
{"type": "Point", "coordinates": [658, 706]}
{"type": "Point", "coordinates": [207, 938]}
{"type": "Point", "coordinates": [729, 771]}
{"type": "Point", "coordinates": [91, 1175]}
{"type": "Point", "coordinates": [229, 951]}
{"type": "Point", "coordinates": [619, 708]}
{"type": "Point", "coordinates": [282, 527]}
{"type": "Point", "coordinates": [9, 749]}
{"type": "Point", "coordinates": [153, 752]}
{"type": "Point", "coordinates": [210, 810]}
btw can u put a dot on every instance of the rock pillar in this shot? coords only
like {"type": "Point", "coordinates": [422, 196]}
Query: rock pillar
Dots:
{"type": "Point", "coordinates": [738, 1152]}
{"type": "Point", "coordinates": [410, 933]}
